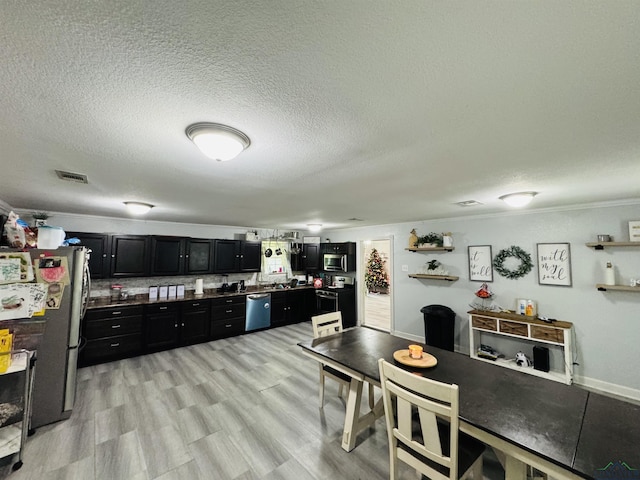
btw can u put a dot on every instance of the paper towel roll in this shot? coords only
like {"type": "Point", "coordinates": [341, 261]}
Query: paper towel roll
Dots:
{"type": "Point", "coordinates": [199, 286]}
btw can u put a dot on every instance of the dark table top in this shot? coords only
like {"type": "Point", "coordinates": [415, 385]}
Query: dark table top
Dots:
{"type": "Point", "coordinates": [536, 414]}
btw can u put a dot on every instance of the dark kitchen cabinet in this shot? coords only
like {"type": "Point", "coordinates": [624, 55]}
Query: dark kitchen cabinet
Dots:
{"type": "Point", "coordinates": [111, 333]}
{"type": "Point", "coordinates": [311, 257]}
{"type": "Point", "coordinates": [100, 255]}
{"type": "Point", "coordinates": [129, 256]}
{"type": "Point", "coordinates": [344, 248]}
{"type": "Point", "coordinates": [167, 255]}
{"type": "Point", "coordinates": [228, 316]}
{"type": "Point", "coordinates": [199, 256]}
{"type": "Point", "coordinates": [288, 307]}
{"type": "Point", "coordinates": [194, 323]}
{"type": "Point", "coordinates": [231, 256]}
{"type": "Point", "coordinates": [162, 326]}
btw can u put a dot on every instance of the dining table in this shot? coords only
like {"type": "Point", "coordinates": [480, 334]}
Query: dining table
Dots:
{"type": "Point", "coordinates": [562, 430]}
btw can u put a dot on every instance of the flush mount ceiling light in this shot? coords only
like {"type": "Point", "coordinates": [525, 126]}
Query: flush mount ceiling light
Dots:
{"type": "Point", "coordinates": [519, 199]}
{"type": "Point", "coordinates": [218, 142]}
{"type": "Point", "coordinates": [314, 227]}
{"type": "Point", "coordinates": [138, 208]}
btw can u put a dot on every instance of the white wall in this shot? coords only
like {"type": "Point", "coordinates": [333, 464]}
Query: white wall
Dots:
{"type": "Point", "coordinates": [607, 324]}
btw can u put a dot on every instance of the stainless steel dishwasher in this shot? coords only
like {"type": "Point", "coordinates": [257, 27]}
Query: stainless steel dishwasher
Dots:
{"type": "Point", "coordinates": [258, 311]}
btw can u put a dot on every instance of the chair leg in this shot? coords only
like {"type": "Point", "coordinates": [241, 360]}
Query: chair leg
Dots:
{"type": "Point", "coordinates": [371, 397]}
{"type": "Point", "coordinates": [340, 389]}
{"type": "Point", "coordinates": [321, 386]}
{"type": "Point", "coordinates": [476, 469]}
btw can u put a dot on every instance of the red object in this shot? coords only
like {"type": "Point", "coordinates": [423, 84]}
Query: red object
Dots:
{"type": "Point", "coordinates": [52, 274]}
{"type": "Point", "coordinates": [317, 282]}
{"type": "Point", "coordinates": [484, 292]}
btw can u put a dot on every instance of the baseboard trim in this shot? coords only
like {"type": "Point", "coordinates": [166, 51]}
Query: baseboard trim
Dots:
{"type": "Point", "coordinates": [606, 388]}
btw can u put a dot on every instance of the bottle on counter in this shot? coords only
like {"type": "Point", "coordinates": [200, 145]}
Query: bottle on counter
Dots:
{"type": "Point", "coordinates": [609, 275]}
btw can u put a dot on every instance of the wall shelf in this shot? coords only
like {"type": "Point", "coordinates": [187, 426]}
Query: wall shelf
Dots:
{"type": "Point", "coordinates": [623, 288]}
{"type": "Point", "coordinates": [433, 249]}
{"type": "Point", "coordinates": [448, 278]}
{"type": "Point", "coordinates": [602, 245]}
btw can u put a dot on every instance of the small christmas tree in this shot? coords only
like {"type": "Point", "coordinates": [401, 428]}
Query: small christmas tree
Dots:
{"type": "Point", "coordinates": [376, 278]}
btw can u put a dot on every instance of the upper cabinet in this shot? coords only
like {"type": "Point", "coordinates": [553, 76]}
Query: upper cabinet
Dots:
{"type": "Point", "coordinates": [199, 256]}
{"type": "Point", "coordinates": [129, 256]}
{"type": "Point", "coordinates": [100, 255]}
{"type": "Point", "coordinates": [344, 248]}
{"type": "Point", "coordinates": [232, 256]}
{"type": "Point", "coordinates": [311, 257]}
{"type": "Point", "coordinates": [167, 256]}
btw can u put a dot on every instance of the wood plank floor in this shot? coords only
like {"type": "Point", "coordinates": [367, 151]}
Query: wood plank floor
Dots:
{"type": "Point", "coordinates": [239, 409]}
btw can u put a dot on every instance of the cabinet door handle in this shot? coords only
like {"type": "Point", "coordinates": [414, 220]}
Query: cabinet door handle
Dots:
{"type": "Point", "coordinates": [117, 312]}
{"type": "Point", "coordinates": [176, 325]}
{"type": "Point", "coordinates": [115, 326]}
{"type": "Point", "coordinates": [228, 325]}
{"type": "Point", "coordinates": [229, 301]}
{"type": "Point", "coordinates": [228, 311]}
{"type": "Point", "coordinates": [183, 324]}
{"type": "Point", "coordinates": [104, 255]}
{"type": "Point", "coordinates": [195, 304]}
{"type": "Point", "coordinates": [163, 308]}
{"type": "Point", "coordinates": [115, 344]}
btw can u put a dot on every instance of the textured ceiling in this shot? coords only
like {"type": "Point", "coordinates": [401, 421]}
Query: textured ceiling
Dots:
{"type": "Point", "coordinates": [387, 111]}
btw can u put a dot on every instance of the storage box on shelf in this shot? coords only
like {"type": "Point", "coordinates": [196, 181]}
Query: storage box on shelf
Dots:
{"type": "Point", "coordinates": [529, 329]}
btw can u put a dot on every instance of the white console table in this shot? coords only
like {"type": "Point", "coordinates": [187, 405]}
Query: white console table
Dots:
{"type": "Point", "coordinates": [529, 329]}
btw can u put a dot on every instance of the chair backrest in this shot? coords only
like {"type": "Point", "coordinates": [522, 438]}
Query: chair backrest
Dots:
{"type": "Point", "coordinates": [421, 448]}
{"type": "Point", "coordinates": [326, 324]}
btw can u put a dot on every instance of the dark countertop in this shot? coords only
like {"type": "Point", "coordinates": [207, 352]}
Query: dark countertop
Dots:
{"type": "Point", "coordinates": [143, 299]}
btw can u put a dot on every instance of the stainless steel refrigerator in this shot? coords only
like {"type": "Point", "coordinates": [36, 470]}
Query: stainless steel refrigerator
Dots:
{"type": "Point", "coordinates": [54, 388]}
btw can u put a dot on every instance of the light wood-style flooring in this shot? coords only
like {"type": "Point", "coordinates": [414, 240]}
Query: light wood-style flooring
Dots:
{"type": "Point", "coordinates": [242, 408]}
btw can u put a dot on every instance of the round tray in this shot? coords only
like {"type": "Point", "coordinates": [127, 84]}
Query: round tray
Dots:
{"type": "Point", "coordinates": [404, 358]}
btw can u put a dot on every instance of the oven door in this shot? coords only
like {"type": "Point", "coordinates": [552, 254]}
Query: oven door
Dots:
{"type": "Point", "coordinates": [326, 302]}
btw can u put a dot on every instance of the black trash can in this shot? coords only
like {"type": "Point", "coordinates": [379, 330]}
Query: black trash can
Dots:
{"type": "Point", "coordinates": [439, 323]}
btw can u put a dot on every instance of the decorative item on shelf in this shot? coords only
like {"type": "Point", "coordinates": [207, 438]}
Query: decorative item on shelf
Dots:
{"type": "Point", "coordinates": [447, 239]}
{"type": "Point", "coordinates": [484, 294]}
{"type": "Point", "coordinates": [376, 278]}
{"type": "Point", "coordinates": [434, 267]}
{"type": "Point", "coordinates": [513, 252]}
{"type": "Point", "coordinates": [430, 240]}
{"type": "Point", "coordinates": [609, 274]}
{"type": "Point", "coordinates": [413, 238]}
{"type": "Point", "coordinates": [634, 231]}
{"type": "Point", "coordinates": [604, 238]}
{"type": "Point", "coordinates": [39, 218]}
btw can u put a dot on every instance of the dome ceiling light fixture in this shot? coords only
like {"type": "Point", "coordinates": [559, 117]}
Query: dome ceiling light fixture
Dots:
{"type": "Point", "coordinates": [519, 199]}
{"type": "Point", "coordinates": [138, 208]}
{"type": "Point", "coordinates": [314, 227]}
{"type": "Point", "coordinates": [216, 141]}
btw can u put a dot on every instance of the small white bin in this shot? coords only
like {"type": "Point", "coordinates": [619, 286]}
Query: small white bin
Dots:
{"type": "Point", "coordinates": [50, 237]}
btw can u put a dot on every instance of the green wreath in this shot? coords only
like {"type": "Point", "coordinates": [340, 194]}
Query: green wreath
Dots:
{"type": "Point", "coordinates": [515, 252]}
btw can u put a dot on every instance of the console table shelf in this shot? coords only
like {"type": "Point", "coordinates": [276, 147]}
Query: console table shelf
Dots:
{"type": "Point", "coordinates": [448, 278]}
{"type": "Point", "coordinates": [528, 329]}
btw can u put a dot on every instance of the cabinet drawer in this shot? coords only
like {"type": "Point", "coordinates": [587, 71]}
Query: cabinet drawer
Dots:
{"type": "Point", "coordinates": [231, 300]}
{"type": "Point", "coordinates": [115, 326]}
{"type": "Point", "coordinates": [547, 333]}
{"type": "Point", "coordinates": [102, 313]}
{"type": "Point", "coordinates": [161, 308]}
{"type": "Point", "coordinates": [224, 312]}
{"type": "Point", "coordinates": [112, 347]}
{"type": "Point", "coordinates": [195, 305]}
{"type": "Point", "coordinates": [230, 328]}
{"type": "Point", "coordinates": [514, 328]}
{"type": "Point", "coordinates": [484, 323]}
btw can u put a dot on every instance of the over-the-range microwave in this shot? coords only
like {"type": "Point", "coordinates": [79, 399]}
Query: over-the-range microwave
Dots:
{"type": "Point", "coordinates": [334, 262]}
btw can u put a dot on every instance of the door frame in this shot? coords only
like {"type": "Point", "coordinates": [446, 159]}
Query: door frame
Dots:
{"type": "Point", "coordinates": [362, 289]}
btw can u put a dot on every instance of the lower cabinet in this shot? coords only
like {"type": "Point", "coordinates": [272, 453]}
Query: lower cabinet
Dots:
{"type": "Point", "coordinates": [194, 324]}
{"type": "Point", "coordinates": [228, 316]}
{"type": "Point", "coordinates": [111, 333]}
{"type": "Point", "coordinates": [289, 306]}
{"type": "Point", "coordinates": [162, 326]}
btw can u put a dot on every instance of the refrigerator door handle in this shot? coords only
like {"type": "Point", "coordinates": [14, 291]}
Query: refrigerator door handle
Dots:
{"type": "Point", "coordinates": [79, 257]}
{"type": "Point", "coordinates": [70, 380]}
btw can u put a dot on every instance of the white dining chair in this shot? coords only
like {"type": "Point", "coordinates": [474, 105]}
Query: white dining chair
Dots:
{"type": "Point", "coordinates": [330, 324]}
{"type": "Point", "coordinates": [430, 441]}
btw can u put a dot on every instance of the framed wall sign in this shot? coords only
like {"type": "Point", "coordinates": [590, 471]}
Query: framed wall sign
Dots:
{"type": "Point", "coordinates": [480, 267]}
{"type": "Point", "coordinates": [554, 264]}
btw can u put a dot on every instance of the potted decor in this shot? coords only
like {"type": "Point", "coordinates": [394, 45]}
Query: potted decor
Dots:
{"type": "Point", "coordinates": [430, 240]}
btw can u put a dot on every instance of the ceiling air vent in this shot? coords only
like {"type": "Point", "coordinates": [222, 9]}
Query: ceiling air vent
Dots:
{"type": "Point", "coordinates": [72, 177]}
{"type": "Point", "coordinates": [468, 203]}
